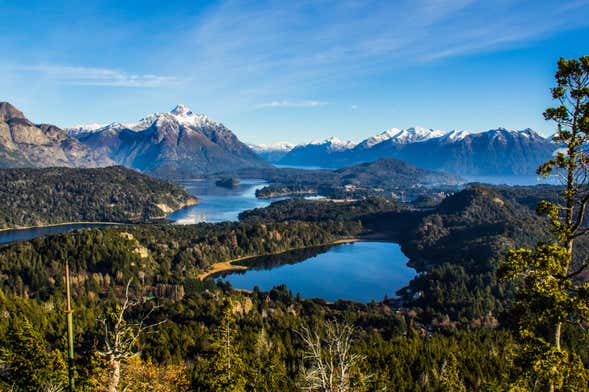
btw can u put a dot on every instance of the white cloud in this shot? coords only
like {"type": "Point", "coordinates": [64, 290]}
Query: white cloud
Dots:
{"type": "Point", "coordinates": [291, 104]}
{"type": "Point", "coordinates": [285, 45]}
{"type": "Point", "coordinates": [89, 76]}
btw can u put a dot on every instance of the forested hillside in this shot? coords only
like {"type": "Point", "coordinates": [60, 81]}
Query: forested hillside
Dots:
{"type": "Point", "coordinates": [36, 197]}
{"type": "Point", "coordinates": [457, 247]}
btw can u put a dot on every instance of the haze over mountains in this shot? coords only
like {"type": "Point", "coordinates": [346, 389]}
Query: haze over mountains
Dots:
{"type": "Point", "coordinates": [494, 152]}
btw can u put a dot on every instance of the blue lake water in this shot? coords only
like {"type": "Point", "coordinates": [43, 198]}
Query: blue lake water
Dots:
{"type": "Point", "coordinates": [360, 271]}
{"type": "Point", "coordinates": [215, 204]}
{"type": "Point", "coordinates": [218, 204]}
{"type": "Point", "coordinates": [28, 234]}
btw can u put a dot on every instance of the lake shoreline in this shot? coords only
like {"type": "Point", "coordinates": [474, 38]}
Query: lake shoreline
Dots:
{"type": "Point", "coordinates": [228, 265]}
{"type": "Point", "coordinates": [61, 224]}
{"type": "Point", "coordinates": [190, 203]}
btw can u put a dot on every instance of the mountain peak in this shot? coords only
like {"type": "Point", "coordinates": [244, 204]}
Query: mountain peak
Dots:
{"type": "Point", "coordinates": [185, 116]}
{"type": "Point", "coordinates": [402, 136]}
{"type": "Point", "coordinates": [7, 112]}
{"type": "Point", "coordinates": [181, 110]}
{"type": "Point", "coordinates": [334, 144]}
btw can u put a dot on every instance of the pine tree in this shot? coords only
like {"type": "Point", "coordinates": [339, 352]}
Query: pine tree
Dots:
{"type": "Point", "coordinates": [26, 363]}
{"type": "Point", "coordinates": [226, 368]}
{"type": "Point", "coordinates": [549, 292]}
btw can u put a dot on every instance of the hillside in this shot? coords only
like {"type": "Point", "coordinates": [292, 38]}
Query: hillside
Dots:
{"type": "Point", "coordinates": [25, 144]}
{"type": "Point", "coordinates": [384, 177]}
{"type": "Point", "coordinates": [36, 197]}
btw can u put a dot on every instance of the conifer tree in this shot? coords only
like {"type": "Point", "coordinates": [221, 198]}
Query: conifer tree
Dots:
{"type": "Point", "coordinates": [227, 370]}
{"type": "Point", "coordinates": [26, 364]}
{"type": "Point", "coordinates": [550, 290]}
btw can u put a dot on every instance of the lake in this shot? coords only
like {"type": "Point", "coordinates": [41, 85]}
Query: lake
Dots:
{"type": "Point", "coordinates": [219, 204]}
{"type": "Point", "coordinates": [215, 204]}
{"type": "Point", "coordinates": [28, 234]}
{"type": "Point", "coordinates": [359, 271]}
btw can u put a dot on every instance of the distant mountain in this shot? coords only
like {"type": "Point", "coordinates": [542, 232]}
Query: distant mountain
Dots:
{"type": "Point", "coordinates": [25, 144]}
{"type": "Point", "coordinates": [174, 144]}
{"type": "Point", "coordinates": [317, 153]}
{"type": "Point", "coordinates": [272, 152]}
{"type": "Point", "coordinates": [494, 152]}
{"type": "Point", "coordinates": [401, 136]}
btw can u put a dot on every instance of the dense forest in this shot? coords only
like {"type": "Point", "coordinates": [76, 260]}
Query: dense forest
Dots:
{"type": "Point", "coordinates": [36, 197]}
{"type": "Point", "coordinates": [419, 341]}
{"type": "Point", "coordinates": [500, 301]}
{"type": "Point", "coordinates": [384, 177]}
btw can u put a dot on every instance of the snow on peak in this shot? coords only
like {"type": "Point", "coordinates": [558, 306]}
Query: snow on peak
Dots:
{"type": "Point", "coordinates": [455, 135]}
{"type": "Point", "coordinates": [181, 114]}
{"type": "Point", "coordinates": [334, 144]}
{"type": "Point", "coordinates": [276, 146]}
{"type": "Point", "coordinates": [381, 137]}
{"type": "Point", "coordinates": [185, 116]}
{"type": "Point", "coordinates": [181, 110]}
{"type": "Point", "coordinates": [403, 136]}
{"type": "Point", "coordinates": [79, 129]}
{"type": "Point", "coordinates": [416, 134]}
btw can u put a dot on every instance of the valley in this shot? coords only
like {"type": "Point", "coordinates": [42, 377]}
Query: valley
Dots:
{"type": "Point", "coordinates": [305, 196]}
{"type": "Point", "coordinates": [404, 240]}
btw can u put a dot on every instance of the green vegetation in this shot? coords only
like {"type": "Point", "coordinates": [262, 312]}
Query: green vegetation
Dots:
{"type": "Point", "coordinates": [37, 197]}
{"type": "Point", "coordinates": [551, 292]}
{"type": "Point", "coordinates": [384, 177]}
{"type": "Point", "coordinates": [455, 327]}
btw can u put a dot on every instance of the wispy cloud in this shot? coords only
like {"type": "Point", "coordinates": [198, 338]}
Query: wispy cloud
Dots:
{"type": "Point", "coordinates": [302, 45]}
{"type": "Point", "coordinates": [89, 76]}
{"type": "Point", "coordinates": [291, 104]}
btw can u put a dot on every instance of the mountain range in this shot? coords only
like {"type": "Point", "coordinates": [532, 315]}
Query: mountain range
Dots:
{"type": "Point", "coordinates": [493, 152]}
{"type": "Point", "coordinates": [175, 144]}
{"type": "Point", "coordinates": [272, 152]}
{"type": "Point", "coordinates": [25, 144]}
{"type": "Point", "coordinates": [181, 143]}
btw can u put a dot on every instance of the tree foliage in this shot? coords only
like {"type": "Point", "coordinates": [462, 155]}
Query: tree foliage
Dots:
{"type": "Point", "coordinates": [550, 289]}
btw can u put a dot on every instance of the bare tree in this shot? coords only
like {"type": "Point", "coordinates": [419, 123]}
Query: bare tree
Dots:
{"type": "Point", "coordinates": [330, 363]}
{"type": "Point", "coordinates": [121, 336]}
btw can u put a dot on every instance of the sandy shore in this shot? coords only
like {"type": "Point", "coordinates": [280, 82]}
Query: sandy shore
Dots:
{"type": "Point", "coordinates": [228, 265]}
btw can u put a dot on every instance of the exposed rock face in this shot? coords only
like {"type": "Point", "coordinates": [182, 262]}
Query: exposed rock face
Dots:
{"type": "Point", "coordinates": [25, 144]}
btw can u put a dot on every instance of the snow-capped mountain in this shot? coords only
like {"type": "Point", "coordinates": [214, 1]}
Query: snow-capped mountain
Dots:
{"type": "Point", "coordinates": [79, 129]}
{"type": "Point", "coordinates": [316, 151]}
{"type": "Point", "coordinates": [175, 143]}
{"type": "Point", "coordinates": [493, 152]}
{"type": "Point", "coordinates": [276, 146]}
{"type": "Point", "coordinates": [402, 136]}
{"type": "Point", "coordinates": [333, 144]}
{"type": "Point", "coordinates": [272, 152]}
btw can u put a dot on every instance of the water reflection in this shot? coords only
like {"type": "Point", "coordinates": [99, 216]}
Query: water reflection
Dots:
{"type": "Point", "coordinates": [218, 204]}
{"type": "Point", "coordinates": [361, 271]}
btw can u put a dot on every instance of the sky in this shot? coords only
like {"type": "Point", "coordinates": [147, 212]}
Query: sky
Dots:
{"type": "Point", "coordinates": [291, 70]}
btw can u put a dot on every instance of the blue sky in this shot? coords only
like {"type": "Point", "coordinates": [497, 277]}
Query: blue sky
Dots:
{"type": "Point", "coordinates": [291, 70]}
